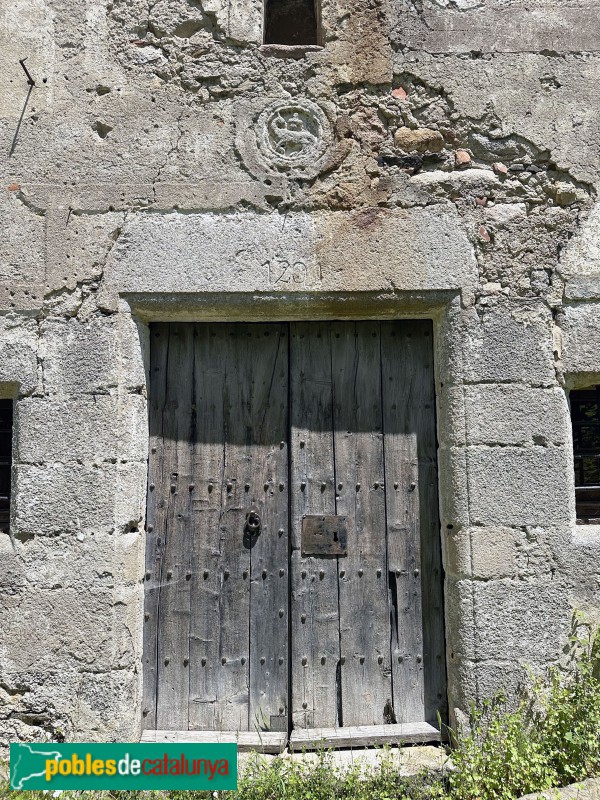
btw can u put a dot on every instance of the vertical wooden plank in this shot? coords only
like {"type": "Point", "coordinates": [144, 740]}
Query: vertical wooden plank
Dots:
{"type": "Point", "coordinates": [233, 666]}
{"type": "Point", "coordinates": [359, 474]}
{"type": "Point", "coordinates": [155, 519]}
{"type": "Point", "coordinates": [239, 639]}
{"type": "Point", "coordinates": [265, 460]}
{"type": "Point", "coordinates": [207, 495]}
{"type": "Point", "coordinates": [407, 409]}
{"type": "Point", "coordinates": [315, 656]}
{"type": "Point", "coordinates": [434, 655]}
{"type": "Point", "coordinates": [174, 586]}
{"type": "Point", "coordinates": [221, 651]}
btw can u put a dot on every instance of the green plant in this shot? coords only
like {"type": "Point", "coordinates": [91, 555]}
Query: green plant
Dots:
{"type": "Point", "coordinates": [569, 717]}
{"type": "Point", "coordinates": [549, 740]}
{"type": "Point", "coordinates": [500, 758]}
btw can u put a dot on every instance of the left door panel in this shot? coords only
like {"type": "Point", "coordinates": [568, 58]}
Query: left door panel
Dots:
{"type": "Point", "coordinates": [216, 617]}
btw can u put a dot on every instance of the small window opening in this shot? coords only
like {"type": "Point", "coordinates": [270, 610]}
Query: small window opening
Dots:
{"type": "Point", "coordinates": [6, 426]}
{"type": "Point", "coordinates": [585, 418]}
{"type": "Point", "coordinates": [291, 22]}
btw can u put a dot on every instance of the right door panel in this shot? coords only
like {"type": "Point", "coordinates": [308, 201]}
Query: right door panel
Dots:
{"type": "Point", "coordinates": [367, 626]}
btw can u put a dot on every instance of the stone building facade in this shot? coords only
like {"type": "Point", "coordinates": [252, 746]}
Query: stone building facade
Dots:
{"type": "Point", "coordinates": [424, 159]}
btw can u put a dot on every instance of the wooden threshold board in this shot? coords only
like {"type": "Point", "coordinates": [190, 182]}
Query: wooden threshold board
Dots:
{"type": "Point", "coordinates": [363, 736]}
{"type": "Point", "coordinates": [263, 742]}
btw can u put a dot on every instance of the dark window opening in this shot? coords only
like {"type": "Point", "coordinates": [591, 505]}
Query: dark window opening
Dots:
{"type": "Point", "coordinates": [585, 418]}
{"type": "Point", "coordinates": [291, 22]}
{"type": "Point", "coordinates": [6, 425]}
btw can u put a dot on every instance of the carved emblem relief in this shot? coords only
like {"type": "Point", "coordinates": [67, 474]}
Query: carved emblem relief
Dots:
{"type": "Point", "coordinates": [292, 135]}
{"type": "Point", "coordinates": [292, 138]}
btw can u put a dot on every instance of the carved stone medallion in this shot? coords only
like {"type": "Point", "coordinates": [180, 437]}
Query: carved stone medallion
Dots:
{"type": "Point", "coordinates": [292, 136]}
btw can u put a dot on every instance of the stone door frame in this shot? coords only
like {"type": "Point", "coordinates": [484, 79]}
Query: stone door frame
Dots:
{"type": "Point", "coordinates": [442, 307]}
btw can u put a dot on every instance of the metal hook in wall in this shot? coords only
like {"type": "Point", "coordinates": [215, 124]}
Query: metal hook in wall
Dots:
{"type": "Point", "coordinates": [30, 80]}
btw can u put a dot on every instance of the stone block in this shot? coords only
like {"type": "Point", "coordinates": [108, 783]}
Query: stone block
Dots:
{"type": "Point", "coordinates": [462, 687]}
{"type": "Point", "coordinates": [132, 425]}
{"type": "Point", "coordinates": [81, 428]}
{"type": "Point", "coordinates": [38, 704]}
{"type": "Point", "coordinates": [581, 256]}
{"type": "Point", "coordinates": [578, 556]}
{"type": "Point", "coordinates": [50, 627]}
{"type": "Point", "coordinates": [483, 553]}
{"type": "Point", "coordinates": [457, 553]}
{"type": "Point", "coordinates": [486, 553]}
{"type": "Point", "coordinates": [245, 21]}
{"type": "Point", "coordinates": [104, 707]}
{"type": "Point", "coordinates": [525, 621]}
{"type": "Point", "coordinates": [58, 498]}
{"type": "Point", "coordinates": [19, 371]}
{"type": "Point", "coordinates": [304, 252]}
{"type": "Point", "coordinates": [504, 675]}
{"type": "Point", "coordinates": [580, 326]}
{"type": "Point", "coordinates": [483, 27]}
{"type": "Point", "coordinates": [480, 680]}
{"type": "Point", "coordinates": [583, 287]}
{"type": "Point", "coordinates": [509, 342]}
{"type": "Point", "coordinates": [134, 351]}
{"type": "Point", "coordinates": [78, 246]}
{"type": "Point", "coordinates": [420, 140]}
{"type": "Point", "coordinates": [449, 335]}
{"type": "Point", "coordinates": [59, 428]}
{"type": "Point", "coordinates": [22, 243]}
{"type": "Point", "coordinates": [453, 490]}
{"type": "Point", "coordinates": [357, 42]}
{"type": "Point", "coordinates": [129, 550]}
{"type": "Point", "coordinates": [582, 790]}
{"type": "Point", "coordinates": [451, 425]}
{"type": "Point", "coordinates": [127, 630]}
{"type": "Point", "coordinates": [130, 499]}
{"type": "Point", "coordinates": [26, 28]}
{"type": "Point", "coordinates": [13, 575]}
{"type": "Point", "coordinates": [79, 358]}
{"type": "Point", "coordinates": [520, 485]}
{"type": "Point", "coordinates": [506, 414]}
{"type": "Point", "coordinates": [493, 552]}
{"type": "Point", "coordinates": [460, 619]}
{"type": "Point", "coordinates": [75, 561]}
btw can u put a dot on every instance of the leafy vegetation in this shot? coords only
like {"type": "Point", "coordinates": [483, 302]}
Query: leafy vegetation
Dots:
{"type": "Point", "coordinates": [549, 739]}
{"type": "Point", "coordinates": [285, 779]}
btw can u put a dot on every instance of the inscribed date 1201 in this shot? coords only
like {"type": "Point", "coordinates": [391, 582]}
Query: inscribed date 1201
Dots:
{"type": "Point", "coordinates": [283, 272]}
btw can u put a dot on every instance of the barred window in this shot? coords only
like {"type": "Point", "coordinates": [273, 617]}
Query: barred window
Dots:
{"type": "Point", "coordinates": [291, 22]}
{"type": "Point", "coordinates": [6, 425]}
{"type": "Point", "coordinates": [585, 418]}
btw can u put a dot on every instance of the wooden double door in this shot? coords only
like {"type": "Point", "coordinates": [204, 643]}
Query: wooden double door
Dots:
{"type": "Point", "coordinates": [293, 563]}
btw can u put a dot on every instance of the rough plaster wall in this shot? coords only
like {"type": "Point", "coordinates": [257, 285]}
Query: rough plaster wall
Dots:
{"type": "Point", "coordinates": [461, 157]}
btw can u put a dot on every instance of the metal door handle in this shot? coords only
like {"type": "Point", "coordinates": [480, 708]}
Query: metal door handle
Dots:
{"type": "Point", "coordinates": [253, 522]}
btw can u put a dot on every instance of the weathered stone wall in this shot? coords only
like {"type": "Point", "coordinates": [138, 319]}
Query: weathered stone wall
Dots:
{"type": "Point", "coordinates": [448, 169]}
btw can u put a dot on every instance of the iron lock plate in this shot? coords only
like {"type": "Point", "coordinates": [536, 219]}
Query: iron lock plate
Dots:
{"type": "Point", "coordinates": [324, 535]}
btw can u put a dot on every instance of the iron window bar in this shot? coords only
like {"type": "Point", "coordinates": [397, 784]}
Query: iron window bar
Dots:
{"type": "Point", "coordinates": [585, 419]}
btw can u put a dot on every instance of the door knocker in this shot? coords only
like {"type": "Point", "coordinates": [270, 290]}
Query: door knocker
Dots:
{"type": "Point", "coordinates": [252, 527]}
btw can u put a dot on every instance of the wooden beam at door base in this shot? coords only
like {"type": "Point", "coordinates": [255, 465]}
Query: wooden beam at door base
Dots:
{"type": "Point", "coordinates": [261, 742]}
{"type": "Point", "coordinates": [363, 736]}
